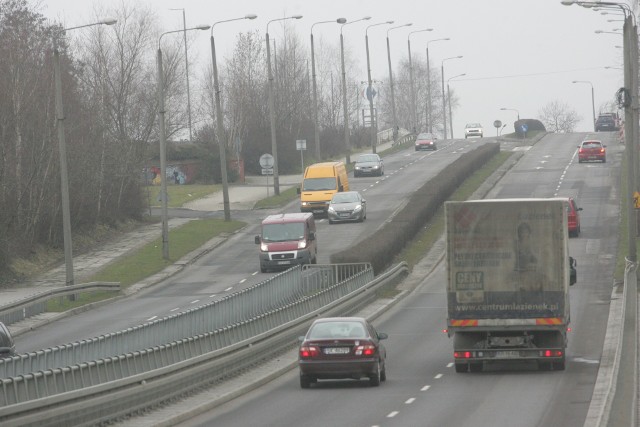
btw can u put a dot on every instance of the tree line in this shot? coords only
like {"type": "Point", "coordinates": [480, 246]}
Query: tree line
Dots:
{"type": "Point", "coordinates": [109, 81]}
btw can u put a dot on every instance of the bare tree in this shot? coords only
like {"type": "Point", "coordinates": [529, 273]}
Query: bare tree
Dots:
{"type": "Point", "coordinates": [558, 116]}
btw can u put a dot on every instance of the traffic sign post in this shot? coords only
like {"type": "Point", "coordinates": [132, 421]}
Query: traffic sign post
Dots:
{"type": "Point", "coordinates": [497, 124]}
{"type": "Point", "coordinates": [301, 145]}
{"type": "Point", "coordinates": [267, 162]}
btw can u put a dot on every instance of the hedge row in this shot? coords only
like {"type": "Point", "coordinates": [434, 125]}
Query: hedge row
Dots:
{"type": "Point", "coordinates": [379, 248]}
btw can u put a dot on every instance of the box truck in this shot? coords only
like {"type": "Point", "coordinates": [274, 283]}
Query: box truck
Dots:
{"type": "Point", "coordinates": [508, 278]}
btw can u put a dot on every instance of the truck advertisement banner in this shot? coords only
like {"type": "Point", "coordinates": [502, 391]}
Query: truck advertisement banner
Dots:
{"type": "Point", "coordinates": [506, 259]}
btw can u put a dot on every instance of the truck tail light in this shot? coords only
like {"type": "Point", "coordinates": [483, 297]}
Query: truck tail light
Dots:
{"type": "Point", "coordinates": [462, 355]}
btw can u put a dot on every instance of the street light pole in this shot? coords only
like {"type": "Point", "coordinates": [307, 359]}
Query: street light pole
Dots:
{"type": "Point", "coordinates": [369, 92]}
{"type": "Point", "coordinates": [512, 109]}
{"type": "Point", "coordinates": [163, 145]}
{"type": "Point", "coordinates": [393, 100]}
{"type": "Point", "coordinates": [449, 102]}
{"type": "Point", "coordinates": [220, 122]}
{"type": "Point", "coordinates": [344, 90]}
{"type": "Point", "coordinates": [429, 125]}
{"type": "Point", "coordinates": [593, 104]}
{"type": "Point", "coordinates": [62, 149]}
{"type": "Point", "coordinates": [272, 112]}
{"type": "Point", "coordinates": [316, 129]}
{"type": "Point", "coordinates": [414, 112]}
{"type": "Point", "coordinates": [186, 60]}
{"type": "Point", "coordinates": [444, 97]}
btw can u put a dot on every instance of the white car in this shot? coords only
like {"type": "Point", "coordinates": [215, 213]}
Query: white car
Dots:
{"type": "Point", "coordinates": [473, 129]}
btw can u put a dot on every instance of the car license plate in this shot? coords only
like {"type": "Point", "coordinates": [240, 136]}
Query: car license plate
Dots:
{"type": "Point", "coordinates": [318, 211]}
{"type": "Point", "coordinates": [344, 214]}
{"type": "Point", "coordinates": [284, 262]}
{"type": "Point", "coordinates": [507, 354]}
{"type": "Point", "coordinates": [337, 350]}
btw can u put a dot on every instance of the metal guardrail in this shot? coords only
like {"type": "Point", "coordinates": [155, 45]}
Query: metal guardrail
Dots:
{"type": "Point", "coordinates": [276, 292]}
{"type": "Point", "coordinates": [116, 386]}
{"type": "Point", "coordinates": [35, 304]}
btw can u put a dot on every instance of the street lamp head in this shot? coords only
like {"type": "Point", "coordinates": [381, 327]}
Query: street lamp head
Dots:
{"type": "Point", "coordinates": [341, 20]}
{"type": "Point", "coordinates": [390, 22]}
{"type": "Point", "coordinates": [567, 2]}
{"type": "Point", "coordinates": [250, 16]}
{"type": "Point", "coordinates": [297, 17]}
{"type": "Point", "coordinates": [108, 21]}
{"type": "Point", "coordinates": [366, 18]}
{"type": "Point", "coordinates": [201, 27]}
{"type": "Point", "coordinates": [459, 56]}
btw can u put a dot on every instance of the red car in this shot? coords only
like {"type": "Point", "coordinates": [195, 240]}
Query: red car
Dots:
{"type": "Point", "coordinates": [574, 218]}
{"type": "Point", "coordinates": [592, 150]}
{"type": "Point", "coordinates": [341, 348]}
{"type": "Point", "coordinates": [425, 141]}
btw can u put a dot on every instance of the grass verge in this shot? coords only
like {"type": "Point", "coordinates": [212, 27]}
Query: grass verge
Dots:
{"type": "Point", "coordinates": [180, 194]}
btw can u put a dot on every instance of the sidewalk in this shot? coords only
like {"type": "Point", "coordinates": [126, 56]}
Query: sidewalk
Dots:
{"type": "Point", "coordinates": [241, 197]}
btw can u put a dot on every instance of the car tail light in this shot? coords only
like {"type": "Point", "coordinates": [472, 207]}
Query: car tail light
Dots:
{"type": "Point", "coordinates": [307, 352]}
{"type": "Point", "coordinates": [365, 350]}
{"type": "Point", "coordinates": [552, 353]}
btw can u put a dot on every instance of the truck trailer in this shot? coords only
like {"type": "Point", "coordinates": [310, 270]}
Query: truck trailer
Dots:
{"type": "Point", "coordinates": [508, 278]}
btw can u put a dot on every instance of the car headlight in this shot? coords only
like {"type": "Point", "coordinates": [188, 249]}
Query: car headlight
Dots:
{"type": "Point", "coordinates": [376, 167]}
{"type": "Point", "coordinates": [358, 208]}
{"type": "Point", "coordinates": [264, 247]}
{"type": "Point", "coordinates": [331, 209]}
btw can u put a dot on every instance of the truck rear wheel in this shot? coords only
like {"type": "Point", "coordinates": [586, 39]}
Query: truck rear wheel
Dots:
{"type": "Point", "coordinates": [462, 367]}
{"type": "Point", "coordinates": [475, 367]}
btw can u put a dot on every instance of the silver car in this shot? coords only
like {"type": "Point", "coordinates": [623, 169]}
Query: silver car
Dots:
{"type": "Point", "coordinates": [368, 164]}
{"type": "Point", "coordinates": [347, 206]}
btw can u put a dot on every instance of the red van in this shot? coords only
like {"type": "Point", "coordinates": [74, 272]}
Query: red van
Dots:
{"type": "Point", "coordinates": [573, 215]}
{"type": "Point", "coordinates": [287, 240]}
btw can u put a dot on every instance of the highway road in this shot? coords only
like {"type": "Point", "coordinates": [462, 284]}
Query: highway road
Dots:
{"type": "Point", "coordinates": [422, 387]}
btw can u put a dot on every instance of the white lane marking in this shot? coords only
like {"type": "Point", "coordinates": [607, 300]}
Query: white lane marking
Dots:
{"type": "Point", "coordinates": [425, 388]}
{"type": "Point", "coordinates": [151, 318]}
{"type": "Point", "coordinates": [450, 365]}
{"type": "Point", "coordinates": [243, 280]}
{"type": "Point", "coordinates": [212, 296]}
{"type": "Point", "coordinates": [254, 273]}
{"type": "Point", "coordinates": [195, 301]}
{"type": "Point", "coordinates": [392, 414]}
{"type": "Point", "coordinates": [175, 309]}
{"type": "Point", "coordinates": [410, 401]}
{"type": "Point", "coordinates": [228, 289]}
{"type": "Point", "coordinates": [437, 377]}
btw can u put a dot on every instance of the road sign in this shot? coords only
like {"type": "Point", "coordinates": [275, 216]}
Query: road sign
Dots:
{"type": "Point", "coordinates": [524, 128]}
{"type": "Point", "coordinates": [497, 123]}
{"type": "Point", "coordinates": [267, 171]}
{"type": "Point", "coordinates": [301, 144]}
{"type": "Point", "coordinates": [266, 161]}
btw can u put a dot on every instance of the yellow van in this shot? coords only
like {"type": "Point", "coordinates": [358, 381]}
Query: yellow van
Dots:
{"type": "Point", "coordinates": [320, 182]}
